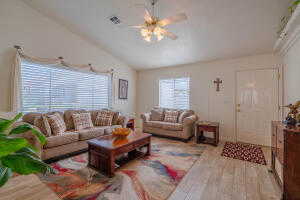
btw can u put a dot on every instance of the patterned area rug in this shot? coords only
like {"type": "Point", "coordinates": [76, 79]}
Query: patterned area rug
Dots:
{"type": "Point", "coordinates": [246, 152]}
{"type": "Point", "coordinates": [150, 178]}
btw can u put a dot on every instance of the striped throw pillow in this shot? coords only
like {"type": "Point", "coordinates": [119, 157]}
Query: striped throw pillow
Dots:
{"type": "Point", "coordinates": [43, 124]}
{"type": "Point", "coordinates": [104, 118]}
{"type": "Point", "coordinates": [57, 124]}
{"type": "Point", "coordinates": [171, 116]}
{"type": "Point", "coordinates": [82, 121]}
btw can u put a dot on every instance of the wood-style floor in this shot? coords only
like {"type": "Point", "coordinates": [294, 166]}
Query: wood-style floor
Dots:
{"type": "Point", "coordinates": [214, 177]}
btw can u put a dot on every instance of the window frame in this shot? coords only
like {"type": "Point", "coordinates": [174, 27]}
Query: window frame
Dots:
{"type": "Point", "coordinates": [174, 79]}
{"type": "Point", "coordinates": [62, 67]}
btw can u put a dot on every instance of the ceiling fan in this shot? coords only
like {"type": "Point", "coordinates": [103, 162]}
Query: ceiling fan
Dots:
{"type": "Point", "coordinates": [153, 26]}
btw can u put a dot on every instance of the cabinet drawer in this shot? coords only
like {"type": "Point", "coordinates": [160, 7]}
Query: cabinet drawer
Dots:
{"type": "Point", "coordinates": [141, 143]}
{"type": "Point", "coordinates": [126, 149]}
{"type": "Point", "coordinates": [207, 128]}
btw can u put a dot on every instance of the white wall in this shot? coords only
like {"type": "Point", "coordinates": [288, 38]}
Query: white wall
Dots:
{"type": "Point", "coordinates": [209, 104]}
{"type": "Point", "coordinates": [42, 37]}
{"type": "Point", "coordinates": [292, 74]}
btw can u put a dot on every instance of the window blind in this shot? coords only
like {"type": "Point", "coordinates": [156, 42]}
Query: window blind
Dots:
{"type": "Point", "coordinates": [46, 88]}
{"type": "Point", "coordinates": [174, 93]}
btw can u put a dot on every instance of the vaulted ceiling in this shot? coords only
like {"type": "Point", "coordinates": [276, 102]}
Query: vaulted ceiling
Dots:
{"type": "Point", "coordinates": [215, 29]}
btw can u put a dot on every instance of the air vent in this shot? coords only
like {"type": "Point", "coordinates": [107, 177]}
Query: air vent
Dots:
{"type": "Point", "coordinates": [114, 19]}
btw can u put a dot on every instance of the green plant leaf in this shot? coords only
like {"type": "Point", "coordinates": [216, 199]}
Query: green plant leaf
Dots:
{"type": "Point", "coordinates": [5, 174]}
{"type": "Point", "coordinates": [39, 135]}
{"type": "Point", "coordinates": [11, 145]}
{"type": "Point", "coordinates": [24, 163]}
{"type": "Point", "coordinates": [29, 151]}
{"type": "Point", "coordinates": [21, 129]}
{"type": "Point", "coordinates": [296, 3]}
{"type": "Point", "coordinates": [5, 124]}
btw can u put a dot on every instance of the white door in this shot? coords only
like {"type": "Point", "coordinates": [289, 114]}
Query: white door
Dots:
{"type": "Point", "coordinates": [256, 105]}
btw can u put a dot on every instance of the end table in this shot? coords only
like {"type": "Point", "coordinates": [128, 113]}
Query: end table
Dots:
{"type": "Point", "coordinates": [212, 127]}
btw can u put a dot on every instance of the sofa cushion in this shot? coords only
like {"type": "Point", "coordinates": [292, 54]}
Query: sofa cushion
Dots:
{"type": "Point", "coordinates": [171, 116]}
{"type": "Point", "coordinates": [82, 121]}
{"type": "Point", "coordinates": [68, 117]}
{"type": "Point", "coordinates": [57, 124]}
{"type": "Point", "coordinates": [155, 124]}
{"type": "Point", "coordinates": [104, 118]}
{"type": "Point", "coordinates": [90, 133]}
{"type": "Point", "coordinates": [172, 126]}
{"type": "Point", "coordinates": [165, 125]}
{"type": "Point", "coordinates": [157, 114]}
{"type": "Point", "coordinates": [64, 138]}
{"type": "Point", "coordinates": [43, 124]}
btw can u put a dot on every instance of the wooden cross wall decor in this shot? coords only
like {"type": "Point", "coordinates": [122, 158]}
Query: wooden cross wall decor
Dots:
{"type": "Point", "coordinates": [218, 81]}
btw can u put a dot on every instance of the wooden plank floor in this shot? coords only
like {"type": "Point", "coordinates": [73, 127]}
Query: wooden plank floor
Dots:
{"type": "Point", "coordinates": [26, 188]}
{"type": "Point", "coordinates": [214, 177]}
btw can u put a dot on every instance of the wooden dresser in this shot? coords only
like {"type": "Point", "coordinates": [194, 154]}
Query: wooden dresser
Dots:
{"type": "Point", "coordinates": [286, 159]}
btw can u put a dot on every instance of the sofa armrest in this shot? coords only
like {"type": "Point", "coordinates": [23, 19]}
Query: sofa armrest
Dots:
{"type": "Point", "coordinates": [190, 120]}
{"type": "Point", "coordinates": [30, 137]}
{"type": "Point", "coordinates": [122, 120]}
{"type": "Point", "coordinates": [145, 117]}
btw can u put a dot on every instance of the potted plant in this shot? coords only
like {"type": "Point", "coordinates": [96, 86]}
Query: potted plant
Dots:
{"type": "Point", "coordinates": [285, 19]}
{"type": "Point", "coordinates": [294, 6]}
{"type": "Point", "coordinates": [16, 153]}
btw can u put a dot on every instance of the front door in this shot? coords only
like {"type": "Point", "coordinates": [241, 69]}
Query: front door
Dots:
{"type": "Point", "coordinates": [256, 105]}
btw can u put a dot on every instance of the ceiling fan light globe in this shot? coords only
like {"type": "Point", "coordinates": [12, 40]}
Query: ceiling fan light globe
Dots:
{"type": "Point", "coordinates": [144, 32]}
{"type": "Point", "coordinates": [148, 38]}
{"type": "Point", "coordinates": [159, 37]}
{"type": "Point", "coordinates": [157, 30]}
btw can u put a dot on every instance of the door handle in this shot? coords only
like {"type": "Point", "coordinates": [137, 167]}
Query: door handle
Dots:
{"type": "Point", "coordinates": [238, 110]}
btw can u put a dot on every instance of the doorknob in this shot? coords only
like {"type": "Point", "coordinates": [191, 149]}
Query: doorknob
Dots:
{"type": "Point", "coordinates": [238, 105]}
{"type": "Point", "coordinates": [238, 110]}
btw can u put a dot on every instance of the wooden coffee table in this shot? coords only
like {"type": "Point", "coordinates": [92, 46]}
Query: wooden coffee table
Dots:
{"type": "Point", "coordinates": [104, 150]}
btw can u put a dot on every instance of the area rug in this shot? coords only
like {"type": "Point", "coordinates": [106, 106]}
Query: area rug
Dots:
{"type": "Point", "coordinates": [153, 177]}
{"type": "Point", "coordinates": [246, 152]}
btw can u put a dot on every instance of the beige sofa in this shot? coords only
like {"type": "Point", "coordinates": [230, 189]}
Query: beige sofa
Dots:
{"type": "Point", "coordinates": [71, 141]}
{"type": "Point", "coordinates": [183, 129]}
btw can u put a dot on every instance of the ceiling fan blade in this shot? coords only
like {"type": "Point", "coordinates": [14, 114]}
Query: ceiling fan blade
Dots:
{"type": "Point", "coordinates": [169, 34]}
{"type": "Point", "coordinates": [171, 20]}
{"type": "Point", "coordinates": [148, 18]}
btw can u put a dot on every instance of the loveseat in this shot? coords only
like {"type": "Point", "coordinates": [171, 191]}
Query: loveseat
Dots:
{"type": "Point", "coordinates": [182, 127]}
{"type": "Point", "coordinates": [71, 141]}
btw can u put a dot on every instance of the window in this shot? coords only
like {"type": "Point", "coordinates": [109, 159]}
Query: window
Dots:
{"type": "Point", "coordinates": [174, 93]}
{"type": "Point", "coordinates": [47, 88]}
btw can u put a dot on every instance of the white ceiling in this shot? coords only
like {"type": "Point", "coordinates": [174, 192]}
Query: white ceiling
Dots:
{"type": "Point", "coordinates": [215, 29]}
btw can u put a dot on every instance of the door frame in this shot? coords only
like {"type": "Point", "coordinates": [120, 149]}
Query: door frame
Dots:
{"type": "Point", "coordinates": [280, 89]}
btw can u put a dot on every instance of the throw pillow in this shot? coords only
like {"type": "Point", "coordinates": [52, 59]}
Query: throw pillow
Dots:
{"type": "Point", "coordinates": [82, 121]}
{"type": "Point", "coordinates": [157, 114]}
{"type": "Point", "coordinates": [57, 124]}
{"type": "Point", "coordinates": [104, 118]}
{"type": "Point", "coordinates": [115, 117]}
{"type": "Point", "coordinates": [42, 123]}
{"type": "Point", "coordinates": [184, 114]}
{"type": "Point", "coordinates": [171, 116]}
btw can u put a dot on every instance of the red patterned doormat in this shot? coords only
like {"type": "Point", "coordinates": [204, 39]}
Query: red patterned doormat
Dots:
{"type": "Point", "coordinates": [246, 152]}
